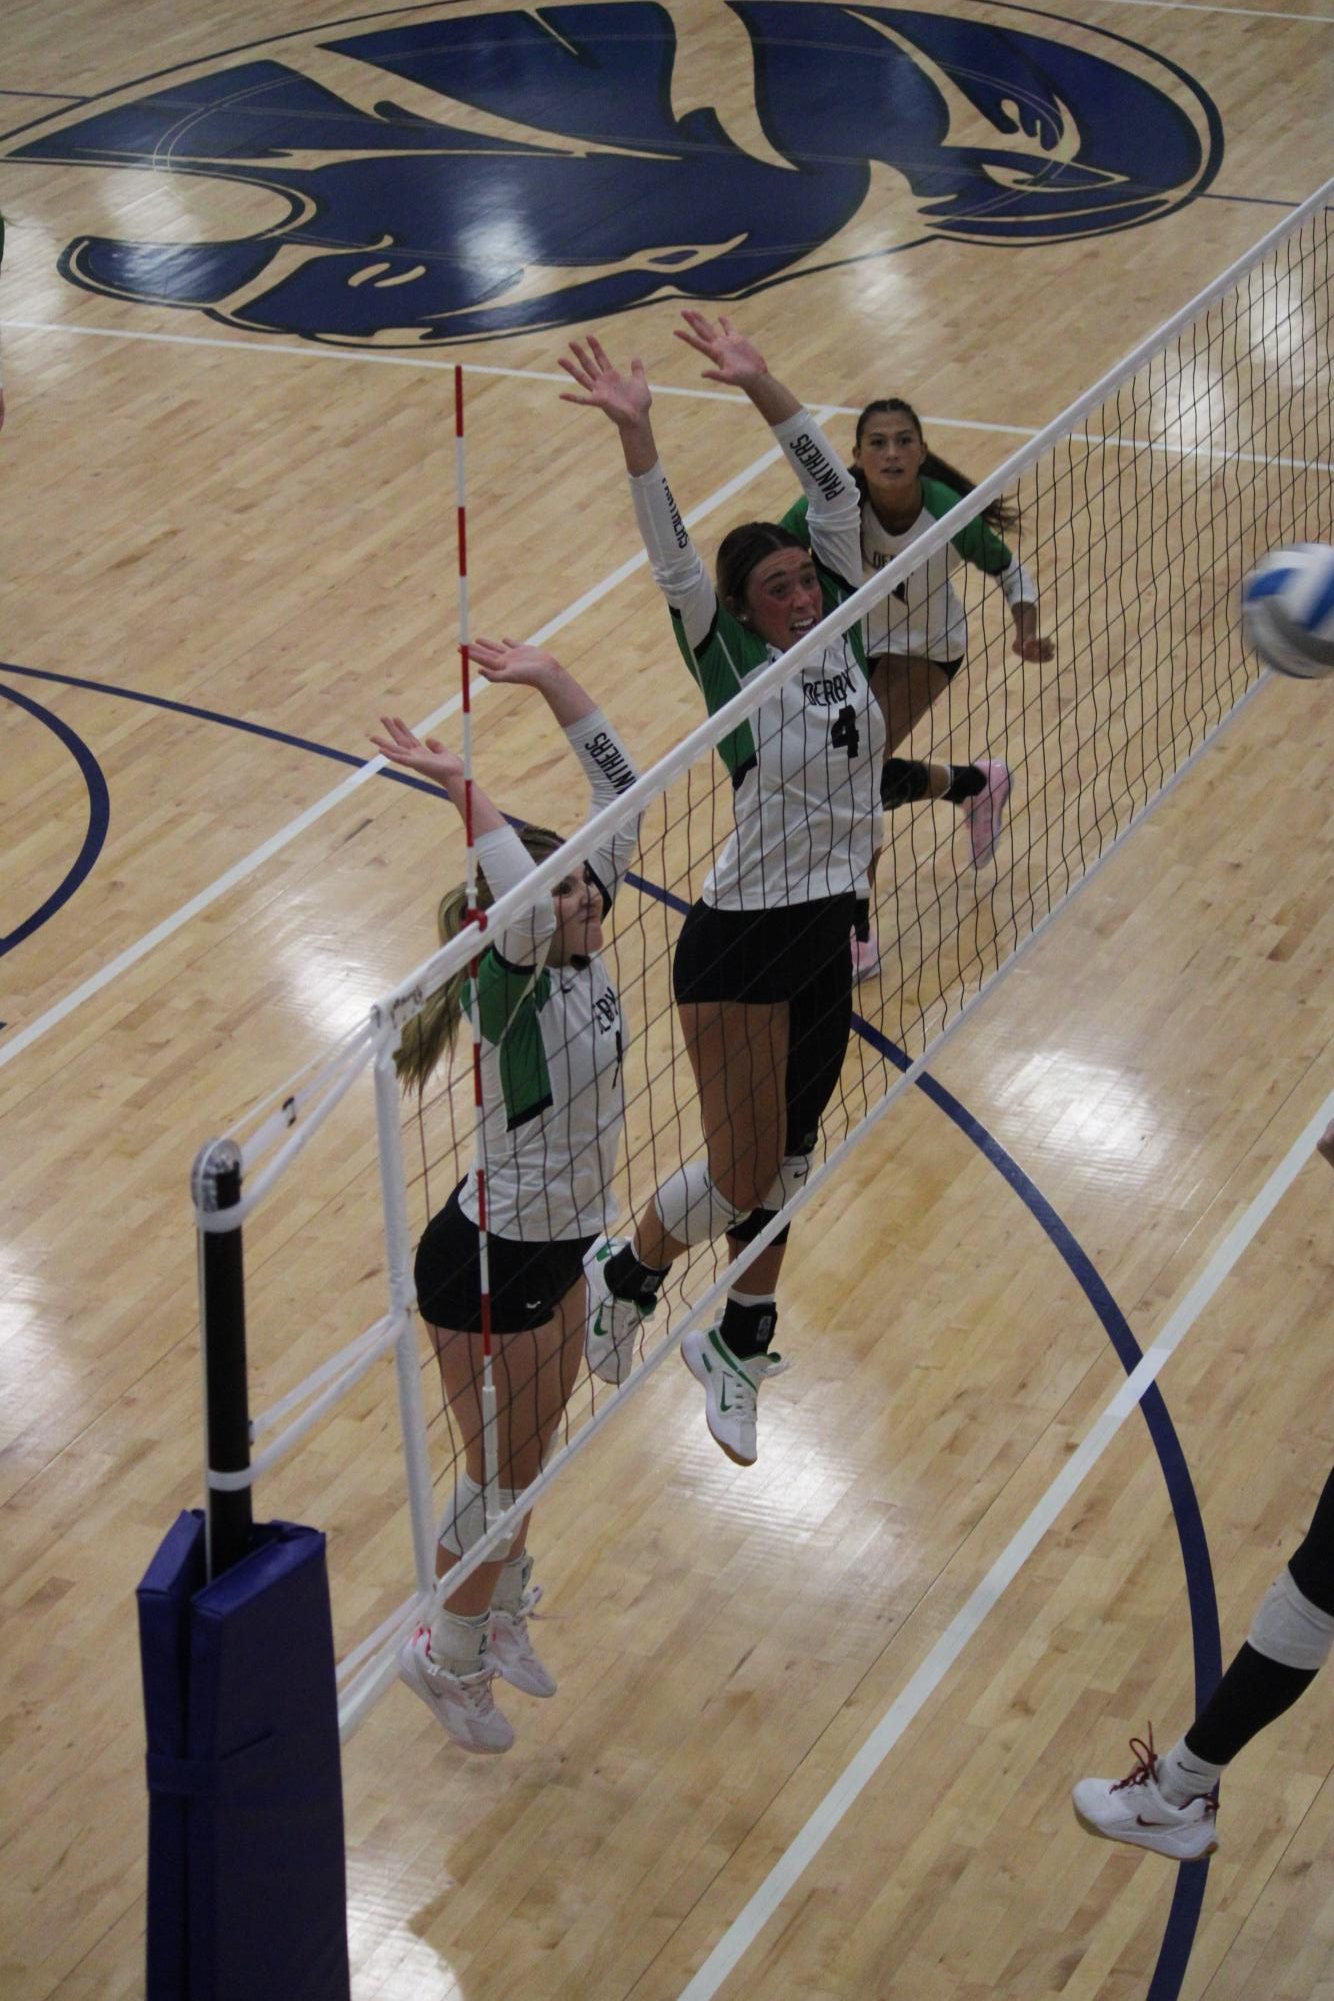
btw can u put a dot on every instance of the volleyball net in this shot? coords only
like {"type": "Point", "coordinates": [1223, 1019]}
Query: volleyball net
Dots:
{"type": "Point", "coordinates": [1140, 511]}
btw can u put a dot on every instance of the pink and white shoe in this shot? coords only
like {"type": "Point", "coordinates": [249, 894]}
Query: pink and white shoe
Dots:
{"type": "Point", "coordinates": [984, 813]}
{"type": "Point", "coordinates": [865, 956]}
{"type": "Point", "coordinates": [511, 1647]}
{"type": "Point", "coordinates": [463, 1703]}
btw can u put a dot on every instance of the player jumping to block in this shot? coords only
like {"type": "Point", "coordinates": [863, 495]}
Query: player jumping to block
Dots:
{"type": "Point", "coordinates": [553, 1044]}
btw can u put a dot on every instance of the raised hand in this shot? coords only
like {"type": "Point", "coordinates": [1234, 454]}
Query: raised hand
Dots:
{"type": "Point", "coordinates": [626, 399]}
{"type": "Point", "coordinates": [513, 663]}
{"type": "Point", "coordinates": [735, 359]}
{"type": "Point", "coordinates": [430, 759]}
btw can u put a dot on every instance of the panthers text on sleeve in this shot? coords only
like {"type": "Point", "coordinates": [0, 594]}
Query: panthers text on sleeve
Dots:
{"type": "Point", "coordinates": [552, 1043]}
{"type": "Point", "coordinates": [924, 614]}
{"type": "Point", "coordinates": [805, 768]}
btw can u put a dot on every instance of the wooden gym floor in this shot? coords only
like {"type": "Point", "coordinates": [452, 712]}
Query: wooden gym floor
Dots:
{"type": "Point", "coordinates": [258, 526]}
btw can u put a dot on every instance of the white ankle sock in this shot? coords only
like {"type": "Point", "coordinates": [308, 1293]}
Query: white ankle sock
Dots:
{"type": "Point", "coordinates": [458, 1642]}
{"type": "Point", "coordinates": [1183, 1777]}
{"type": "Point", "coordinates": [512, 1583]}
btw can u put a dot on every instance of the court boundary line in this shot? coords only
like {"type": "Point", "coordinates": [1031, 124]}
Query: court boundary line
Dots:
{"type": "Point", "coordinates": [285, 835]}
{"type": "Point", "coordinates": [931, 1672]}
{"type": "Point", "coordinates": [1112, 441]}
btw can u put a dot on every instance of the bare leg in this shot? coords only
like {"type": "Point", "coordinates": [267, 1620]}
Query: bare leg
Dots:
{"type": "Point", "coordinates": [530, 1371]}
{"type": "Point", "coordinates": [738, 1052]}
{"type": "Point", "coordinates": [907, 686]}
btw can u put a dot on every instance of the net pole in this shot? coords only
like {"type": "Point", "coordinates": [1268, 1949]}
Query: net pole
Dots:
{"type": "Point", "coordinates": [490, 1442]}
{"type": "Point", "coordinates": [215, 1184]}
{"type": "Point", "coordinates": [398, 1239]}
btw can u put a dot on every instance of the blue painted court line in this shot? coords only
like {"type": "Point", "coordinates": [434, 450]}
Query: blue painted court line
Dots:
{"type": "Point", "coordinates": [1188, 1896]}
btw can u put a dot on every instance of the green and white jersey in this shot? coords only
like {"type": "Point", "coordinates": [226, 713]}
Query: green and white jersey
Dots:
{"type": "Point", "coordinates": [805, 768]}
{"type": "Point", "coordinates": [925, 614]}
{"type": "Point", "coordinates": [552, 1041]}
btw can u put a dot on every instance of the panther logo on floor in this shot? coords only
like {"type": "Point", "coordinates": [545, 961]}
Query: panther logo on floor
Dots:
{"type": "Point", "coordinates": [468, 176]}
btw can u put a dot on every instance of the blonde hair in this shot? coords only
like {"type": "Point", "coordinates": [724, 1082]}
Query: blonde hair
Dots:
{"type": "Point", "coordinates": [435, 1029]}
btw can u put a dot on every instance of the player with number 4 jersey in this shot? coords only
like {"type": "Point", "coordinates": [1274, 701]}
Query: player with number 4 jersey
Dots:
{"type": "Point", "coordinates": [762, 973]}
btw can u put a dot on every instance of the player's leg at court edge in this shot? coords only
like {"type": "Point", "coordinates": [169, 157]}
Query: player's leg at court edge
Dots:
{"type": "Point", "coordinates": [1169, 1802]}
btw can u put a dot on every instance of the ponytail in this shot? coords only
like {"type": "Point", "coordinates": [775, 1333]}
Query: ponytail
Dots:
{"type": "Point", "coordinates": [434, 1030]}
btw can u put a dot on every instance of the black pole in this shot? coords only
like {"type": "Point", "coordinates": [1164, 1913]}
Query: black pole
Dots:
{"type": "Point", "coordinates": [215, 1183]}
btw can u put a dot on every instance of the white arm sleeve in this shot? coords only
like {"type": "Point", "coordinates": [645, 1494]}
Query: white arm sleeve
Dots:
{"type": "Point", "coordinates": [834, 515]}
{"type": "Point", "coordinates": [610, 771]}
{"type": "Point", "coordinates": [1017, 584]}
{"type": "Point", "coordinates": [505, 862]}
{"type": "Point", "coordinates": [672, 556]}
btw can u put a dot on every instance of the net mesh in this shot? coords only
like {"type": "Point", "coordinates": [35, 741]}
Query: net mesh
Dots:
{"type": "Point", "coordinates": [1138, 519]}
{"type": "Point", "coordinates": [1137, 526]}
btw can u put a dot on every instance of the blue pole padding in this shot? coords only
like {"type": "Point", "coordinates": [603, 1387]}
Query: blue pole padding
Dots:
{"type": "Point", "coordinates": [247, 1883]}
{"type": "Point", "coordinates": [169, 1583]}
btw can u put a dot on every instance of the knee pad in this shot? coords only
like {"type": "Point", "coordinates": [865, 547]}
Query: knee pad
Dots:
{"type": "Point", "coordinates": [1289, 1629]}
{"type": "Point", "coordinates": [692, 1207]}
{"type": "Point", "coordinates": [746, 1231]}
{"type": "Point", "coordinates": [792, 1177]}
{"type": "Point", "coordinates": [464, 1522]}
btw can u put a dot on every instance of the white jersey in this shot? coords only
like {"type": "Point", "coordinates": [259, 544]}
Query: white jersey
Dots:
{"type": "Point", "coordinates": [925, 615]}
{"type": "Point", "coordinates": [805, 767]}
{"type": "Point", "coordinates": [553, 1041]}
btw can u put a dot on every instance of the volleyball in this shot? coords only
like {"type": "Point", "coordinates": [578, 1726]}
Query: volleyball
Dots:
{"type": "Point", "coordinates": [1287, 609]}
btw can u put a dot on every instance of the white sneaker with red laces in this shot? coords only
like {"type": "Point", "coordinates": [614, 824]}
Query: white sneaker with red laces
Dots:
{"type": "Point", "coordinates": [984, 813]}
{"type": "Point", "coordinates": [462, 1702]}
{"type": "Point", "coordinates": [1133, 1810]}
{"type": "Point", "coordinates": [512, 1649]}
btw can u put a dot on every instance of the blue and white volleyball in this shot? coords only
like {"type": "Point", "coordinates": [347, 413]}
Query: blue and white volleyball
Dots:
{"type": "Point", "coordinates": [1287, 610]}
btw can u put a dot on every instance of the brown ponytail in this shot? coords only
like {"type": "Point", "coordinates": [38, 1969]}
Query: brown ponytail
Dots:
{"type": "Point", "coordinates": [435, 1029]}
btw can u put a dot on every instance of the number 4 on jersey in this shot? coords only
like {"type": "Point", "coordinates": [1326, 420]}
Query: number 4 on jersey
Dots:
{"type": "Point", "coordinates": [844, 733]}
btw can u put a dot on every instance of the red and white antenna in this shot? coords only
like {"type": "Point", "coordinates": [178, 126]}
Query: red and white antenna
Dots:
{"type": "Point", "coordinates": [490, 1442]}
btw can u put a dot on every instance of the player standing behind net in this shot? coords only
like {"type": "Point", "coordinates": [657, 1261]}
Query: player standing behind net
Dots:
{"type": "Point", "coordinates": [1170, 1803]}
{"type": "Point", "coordinates": [917, 636]}
{"type": "Point", "coordinates": [762, 973]}
{"type": "Point", "coordinates": [553, 1114]}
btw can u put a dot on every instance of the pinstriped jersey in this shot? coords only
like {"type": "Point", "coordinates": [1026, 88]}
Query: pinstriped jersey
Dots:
{"type": "Point", "coordinates": [552, 1042]}
{"type": "Point", "coordinates": [924, 614]}
{"type": "Point", "coordinates": [805, 767]}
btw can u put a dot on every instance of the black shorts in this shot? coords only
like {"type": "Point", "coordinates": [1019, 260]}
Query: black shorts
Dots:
{"type": "Point", "coordinates": [801, 954]}
{"type": "Point", "coordinates": [761, 956]}
{"type": "Point", "coordinates": [528, 1280]}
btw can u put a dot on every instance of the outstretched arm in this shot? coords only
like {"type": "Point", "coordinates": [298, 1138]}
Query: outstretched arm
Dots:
{"type": "Point", "coordinates": [625, 399]}
{"type": "Point", "coordinates": [834, 504]}
{"type": "Point", "coordinates": [607, 765]}
{"type": "Point", "coordinates": [443, 767]}
{"type": "Point", "coordinates": [504, 859]}
{"type": "Point", "coordinates": [511, 664]}
{"type": "Point", "coordinates": [673, 557]}
{"type": "Point", "coordinates": [738, 362]}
